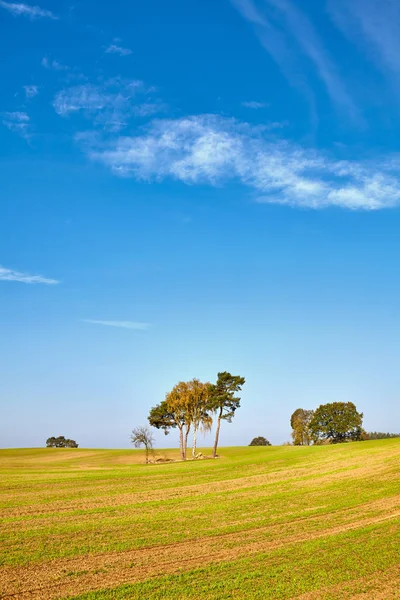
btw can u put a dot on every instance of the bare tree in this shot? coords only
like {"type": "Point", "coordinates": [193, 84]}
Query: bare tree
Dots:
{"type": "Point", "coordinates": [142, 436]}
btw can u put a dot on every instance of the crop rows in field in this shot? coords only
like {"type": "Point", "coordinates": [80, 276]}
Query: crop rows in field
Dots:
{"type": "Point", "coordinates": [279, 522]}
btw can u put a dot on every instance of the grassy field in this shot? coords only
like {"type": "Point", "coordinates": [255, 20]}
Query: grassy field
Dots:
{"type": "Point", "coordinates": [257, 523]}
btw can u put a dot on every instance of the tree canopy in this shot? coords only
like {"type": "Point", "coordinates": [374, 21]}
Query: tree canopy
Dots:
{"type": "Point", "coordinates": [222, 400]}
{"type": "Point", "coordinates": [60, 442]}
{"type": "Point", "coordinates": [336, 422]}
{"type": "Point", "coordinates": [162, 417]}
{"type": "Point", "coordinates": [300, 424]}
{"type": "Point", "coordinates": [260, 441]}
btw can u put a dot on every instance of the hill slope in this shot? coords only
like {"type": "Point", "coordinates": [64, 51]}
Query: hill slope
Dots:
{"type": "Point", "coordinates": [267, 523]}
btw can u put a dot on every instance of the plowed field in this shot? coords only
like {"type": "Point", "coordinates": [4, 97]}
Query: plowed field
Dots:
{"type": "Point", "coordinates": [263, 523]}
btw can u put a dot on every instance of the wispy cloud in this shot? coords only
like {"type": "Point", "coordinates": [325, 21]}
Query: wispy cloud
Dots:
{"type": "Point", "coordinates": [287, 34]}
{"type": "Point", "coordinates": [146, 109]}
{"type": "Point", "coordinates": [26, 10]}
{"type": "Point", "coordinates": [10, 275]}
{"type": "Point", "coordinates": [115, 49]}
{"type": "Point", "coordinates": [374, 23]}
{"type": "Point", "coordinates": [54, 65]}
{"type": "Point", "coordinates": [249, 11]}
{"type": "Point", "coordinates": [255, 105]}
{"type": "Point", "coordinates": [124, 324]}
{"type": "Point", "coordinates": [110, 104]}
{"type": "Point", "coordinates": [208, 149]}
{"type": "Point", "coordinates": [18, 122]}
{"type": "Point", "coordinates": [31, 91]}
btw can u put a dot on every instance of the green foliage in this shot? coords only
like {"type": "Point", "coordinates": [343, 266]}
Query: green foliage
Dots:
{"type": "Point", "coordinates": [161, 417]}
{"type": "Point", "coordinates": [260, 441]}
{"type": "Point", "coordinates": [222, 400]}
{"type": "Point", "coordinates": [300, 424]}
{"type": "Point", "coordinates": [60, 442]}
{"type": "Point", "coordinates": [222, 395]}
{"type": "Point", "coordinates": [336, 422]}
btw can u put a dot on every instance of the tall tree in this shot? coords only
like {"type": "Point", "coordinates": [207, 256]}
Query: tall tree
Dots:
{"type": "Point", "coordinates": [197, 414]}
{"type": "Point", "coordinates": [300, 424]}
{"type": "Point", "coordinates": [222, 400]}
{"type": "Point", "coordinates": [336, 422]}
{"type": "Point", "coordinates": [177, 401]}
{"type": "Point", "coordinates": [168, 415]}
{"type": "Point", "coordinates": [142, 436]}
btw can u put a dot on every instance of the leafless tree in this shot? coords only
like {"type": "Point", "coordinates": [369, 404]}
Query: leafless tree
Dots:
{"type": "Point", "coordinates": [142, 436]}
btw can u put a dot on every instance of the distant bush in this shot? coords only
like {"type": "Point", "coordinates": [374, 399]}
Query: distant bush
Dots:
{"type": "Point", "coordinates": [259, 441]}
{"type": "Point", "coordinates": [378, 435]}
{"type": "Point", "coordinates": [60, 442]}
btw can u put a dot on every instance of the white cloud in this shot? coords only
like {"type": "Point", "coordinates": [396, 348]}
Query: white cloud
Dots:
{"type": "Point", "coordinates": [10, 275]}
{"type": "Point", "coordinates": [286, 33]}
{"type": "Point", "coordinates": [255, 105]}
{"type": "Point", "coordinates": [124, 324]}
{"type": "Point", "coordinates": [33, 12]}
{"type": "Point", "coordinates": [31, 91]}
{"type": "Point", "coordinates": [110, 104]}
{"type": "Point", "coordinates": [114, 49]}
{"type": "Point", "coordinates": [208, 149]}
{"type": "Point", "coordinates": [18, 122]}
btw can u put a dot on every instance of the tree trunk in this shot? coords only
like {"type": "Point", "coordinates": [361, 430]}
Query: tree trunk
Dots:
{"type": "Point", "coordinates": [194, 442]}
{"type": "Point", "coordinates": [217, 435]}
{"type": "Point", "coordinates": [181, 447]}
{"type": "Point", "coordinates": [186, 440]}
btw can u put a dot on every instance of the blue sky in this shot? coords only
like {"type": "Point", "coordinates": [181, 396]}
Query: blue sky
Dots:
{"type": "Point", "coordinates": [189, 187]}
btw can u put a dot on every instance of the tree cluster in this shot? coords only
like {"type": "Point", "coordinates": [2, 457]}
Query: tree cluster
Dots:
{"type": "Point", "coordinates": [60, 442]}
{"type": "Point", "coordinates": [192, 406]}
{"type": "Point", "coordinates": [378, 435]}
{"type": "Point", "coordinates": [331, 423]}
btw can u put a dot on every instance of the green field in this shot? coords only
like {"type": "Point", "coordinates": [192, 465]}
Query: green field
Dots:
{"type": "Point", "coordinates": [262, 523]}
